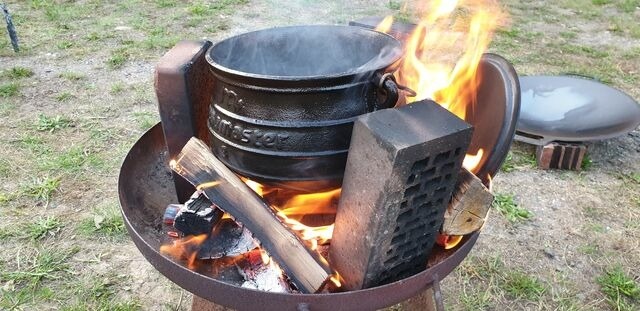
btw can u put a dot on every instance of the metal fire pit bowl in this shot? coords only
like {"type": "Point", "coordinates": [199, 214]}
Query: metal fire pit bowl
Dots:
{"type": "Point", "coordinates": [145, 188]}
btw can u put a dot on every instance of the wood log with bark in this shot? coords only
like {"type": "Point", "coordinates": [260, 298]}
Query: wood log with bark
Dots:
{"type": "Point", "coordinates": [306, 268]}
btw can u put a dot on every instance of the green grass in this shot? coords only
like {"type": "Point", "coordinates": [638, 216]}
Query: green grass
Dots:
{"type": "Point", "coordinates": [52, 124]}
{"type": "Point", "coordinates": [165, 3]}
{"type": "Point", "coordinates": [105, 222]}
{"type": "Point", "coordinates": [42, 228]}
{"type": "Point", "coordinates": [518, 160]}
{"type": "Point", "coordinates": [145, 120]}
{"type": "Point", "coordinates": [24, 282]}
{"type": "Point", "coordinates": [523, 286]}
{"type": "Point", "coordinates": [117, 88]}
{"type": "Point", "coordinates": [621, 290]}
{"type": "Point", "coordinates": [72, 160]}
{"type": "Point", "coordinates": [118, 58]}
{"type": "Point", "coordinates": [587, 163]}
{"type": "Point", "coordinates": [159, 38]}
{"type": "Point", "coordinates": [64, 44]}
{"type": "Point", "coordinates": [42, 188]}
{"type": "Point", "coordinates": [5, 168]}
{"type": "Point", "coordinates": [505, 204]}
{"type": "Point", "coordinates": [628, 6]}
{"type": "Point", "coordinates": [64, 97]}
{"type": "Point", "coordinates": [394, 5]}
{"type": "Point", "coordinates": [48, 263]}
{"type": "Point", "coordinates": [19, 73]}
{"type": "Point", "coordinates": [9, 90]}
{"type": "Point", "coordinates": [72, 76]}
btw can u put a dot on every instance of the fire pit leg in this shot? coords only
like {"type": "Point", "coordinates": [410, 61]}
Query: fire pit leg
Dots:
{"type": "Point", "coordinates": [422, 302]}
{"type": "Point", "coordinates": [201, 304]}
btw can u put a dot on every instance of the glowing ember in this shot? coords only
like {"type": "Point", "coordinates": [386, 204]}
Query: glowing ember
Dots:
{"type": "Point", "coordinates": [448, 241]}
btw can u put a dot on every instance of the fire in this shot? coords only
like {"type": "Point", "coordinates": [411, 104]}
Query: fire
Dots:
{"type": "Point", "coordinates": [442, 54]}
{"type": "Point", "coordinates": [185, 248]}
{"type": "Point", "coordinates": [335, 279]}
{"type": "Point", "coordinates": [292, 210]}
{"type": "Point", "coordinates": [385, 25]}
{"type": "Point", "coordinates": [471, 161]}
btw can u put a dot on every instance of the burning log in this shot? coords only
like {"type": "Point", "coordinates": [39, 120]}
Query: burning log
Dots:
{"type": "Point", "coordinates": [401, 171]}
{"type": "Point", "coordinates": [197, 216]}
{"type": "Point", "coordinates": [469, 206]}
{"type": "Point", "coordinates": [307, 270]}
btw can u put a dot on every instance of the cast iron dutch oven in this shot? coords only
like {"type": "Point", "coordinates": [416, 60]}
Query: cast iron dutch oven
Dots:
{"type": "Point", "coordinates": [285, 99]}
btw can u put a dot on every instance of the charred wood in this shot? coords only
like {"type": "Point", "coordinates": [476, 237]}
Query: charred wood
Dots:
{"type": "Point", "coordinates": [197, 216]}
{"type": "Point", "coordinates": [307, 269]}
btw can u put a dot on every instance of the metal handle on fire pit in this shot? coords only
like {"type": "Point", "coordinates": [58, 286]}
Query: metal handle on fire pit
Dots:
{"type": "Point", "coordinates": [389, 86]}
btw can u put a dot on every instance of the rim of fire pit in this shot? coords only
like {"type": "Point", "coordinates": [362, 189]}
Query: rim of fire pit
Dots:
{"type": "Point", "coordinates": [145, 188]}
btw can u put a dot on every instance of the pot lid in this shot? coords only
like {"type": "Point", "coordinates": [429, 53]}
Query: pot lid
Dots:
{"type": "Point", "coordinates": [572, 109]}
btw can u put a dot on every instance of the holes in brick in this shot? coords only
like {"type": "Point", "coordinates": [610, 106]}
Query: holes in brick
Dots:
{"type": "Point", "coordinates": [428, 174]}
{"type": "Point", "coordinates": [413, 221]}
{"type": "Point", "coordinates": [403, 217]}
{"type": "Point", "coordinates": [411, 191]}
{"type": "Point", "coordinates": [403, 205]}
{"type": "Point", "coordinates": [432, 184]}
{"type": "Point", "coordinates": [412, 178]}
{"type": "Point", "coordinates": [397, 238]}
{"type": "Point", "coordinates": [432, 223]}
{"type": "Point", "coordinates": [442, 157]}
{"type": "Point", "coordinates": [420, 165]}
{"type": "Point", "coordinates": [447, 168]}
{"type": "Point", "coordinates": [457, 152]}
{"type": "Point", "coordinates": [440, 192]}
{"type": "Point", "coordinates": [419, 200]}
{"type": "Point", "coordinates": [391, 260]}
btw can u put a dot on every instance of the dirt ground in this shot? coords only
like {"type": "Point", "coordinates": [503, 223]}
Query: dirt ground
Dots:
{"type": "Point", "coordinates": [80, 93]}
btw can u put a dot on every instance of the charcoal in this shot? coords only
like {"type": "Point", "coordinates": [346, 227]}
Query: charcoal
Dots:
{"type": "Point", "coordinates": [197, 216]}
{"type": "Point", "coordinates": [228, 240]}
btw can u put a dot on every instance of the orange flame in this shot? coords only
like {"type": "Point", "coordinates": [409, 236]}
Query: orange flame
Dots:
{"type": "Point", "coordinates": [471, 161]}
{"type": "Point", "coordinates": [443, 53]}
{"type": "Point", "coordinates": [335, 278]}
{"type": "Point", "coordinates": [448, 241]}
{"type": "Point", "coordinates": [385, 24]}
{"type": "Point", "coordinates": [185, 248]}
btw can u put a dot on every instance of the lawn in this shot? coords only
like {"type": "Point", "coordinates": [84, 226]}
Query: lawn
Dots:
{"type": "Point", "coordinates": [80, 93]}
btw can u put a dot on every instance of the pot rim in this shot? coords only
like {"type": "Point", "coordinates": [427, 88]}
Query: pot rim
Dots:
{"type": "Point", "coordinates": [385, 62]}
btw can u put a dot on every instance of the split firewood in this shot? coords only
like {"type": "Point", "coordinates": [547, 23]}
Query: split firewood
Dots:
{"type": "Point", "coordinates": [469, 206]}
{"type": "Point", "coordinates": [307, 269]}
